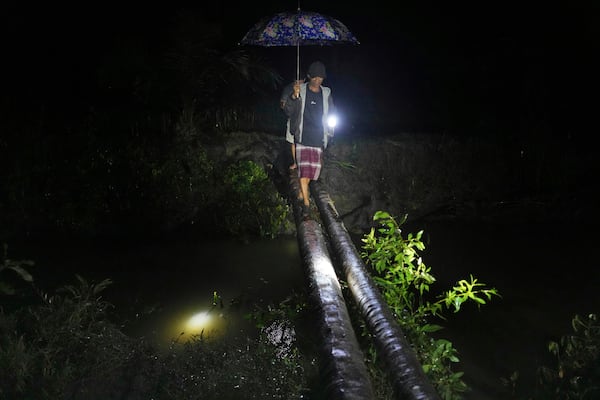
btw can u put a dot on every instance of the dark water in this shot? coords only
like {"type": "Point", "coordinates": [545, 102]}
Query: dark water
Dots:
{"type": "Point", "coordinates": [157, 286]}
{"type": "Point", "coordinates": [546, 273]}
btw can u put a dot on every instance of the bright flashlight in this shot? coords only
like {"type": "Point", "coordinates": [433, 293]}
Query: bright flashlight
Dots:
{"type": "Point", "coordinates": [332, 121]}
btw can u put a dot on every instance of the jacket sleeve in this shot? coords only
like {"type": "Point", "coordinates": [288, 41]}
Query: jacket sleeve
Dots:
{"type": "Point", "coordinates": [331, 111]}
{"type": "Point", "coordinates": [285, 94]}
{"type": "Point", "coordinates": [331, 105]}
{"type": "Point", "coordinates": [291, 107]}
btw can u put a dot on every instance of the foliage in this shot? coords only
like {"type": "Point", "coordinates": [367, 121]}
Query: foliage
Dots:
{"type": "Point", "coordinates": [222, 85]}
{"type": "Point", "coordinates": [17, 267]}
{"type": "Point", "coordinates": [67, 347]}
{"type": "Point", "coordinates": [52, 349]}
{"type": "Point", "coordinates": [576, 374]}
{"type": "Point", "coordinates": [289, 326]}
{"type": "Point", "coordinates": [405, 280]}
{"type": "Point", "coordinates": [250, 203]}
{"type": "Point", "coordinates": [128, 155]}
{"type": "Point", "coordinates": [175, 184]}
{"type": "Point", "coordinates": [228, 369]}
{"type": "Point", "coordinates": [575, 370]}
{"type": "Point", "coordinates": [288, 309]}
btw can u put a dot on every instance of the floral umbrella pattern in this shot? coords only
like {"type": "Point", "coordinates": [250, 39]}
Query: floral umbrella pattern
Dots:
{"type": "Point", "coordinates": [298, 28]}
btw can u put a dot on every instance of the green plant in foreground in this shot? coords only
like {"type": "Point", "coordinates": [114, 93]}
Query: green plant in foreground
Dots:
{"type": "Point", "coordinates": [404, 281]}
{"type": "Point", "coordinates": [65, 346]}
{"type": "Point", "coordinates": [57, 346]}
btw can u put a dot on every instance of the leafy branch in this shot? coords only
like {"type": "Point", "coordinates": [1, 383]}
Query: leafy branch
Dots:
{"type": "Point", "coordinates": [405, 280]}
{"type": "Point", "coordinates": [17, 267]}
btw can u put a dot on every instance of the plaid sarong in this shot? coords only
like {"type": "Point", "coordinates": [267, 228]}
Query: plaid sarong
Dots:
{"type": "Point", "coordinates": [309, 161]}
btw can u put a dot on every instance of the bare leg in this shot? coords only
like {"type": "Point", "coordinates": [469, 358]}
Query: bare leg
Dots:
{"type": "Point", "coordinates": [304, 190]}
{"type": "Point", "coordinates": [294, 165]}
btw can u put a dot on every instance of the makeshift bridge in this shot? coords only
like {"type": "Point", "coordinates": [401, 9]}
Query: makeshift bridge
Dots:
{"type": "Point", "coordinates": [341, 359]}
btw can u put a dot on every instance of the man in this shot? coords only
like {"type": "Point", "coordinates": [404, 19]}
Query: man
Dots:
{"type": "Point", "coordinates": [307, 108]}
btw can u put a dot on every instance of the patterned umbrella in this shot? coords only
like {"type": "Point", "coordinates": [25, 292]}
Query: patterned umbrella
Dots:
{"type": "Point", "coordinates": [296, 29]}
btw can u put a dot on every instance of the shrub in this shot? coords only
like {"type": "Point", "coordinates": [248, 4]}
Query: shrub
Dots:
{"type": "Point", "coordinates": [66, 346]}
{"type": "Point", "coordinates": [251, 204]}
{"type": "Point", "coordinates": [576, 373]}
{"type": "Point", "coordinates": [404, 281]}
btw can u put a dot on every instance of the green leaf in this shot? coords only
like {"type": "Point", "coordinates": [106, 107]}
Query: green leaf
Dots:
{"type": "Point", "coordinates": [26, 276]}
{"type": "Point", "coordinates": [431, 328]}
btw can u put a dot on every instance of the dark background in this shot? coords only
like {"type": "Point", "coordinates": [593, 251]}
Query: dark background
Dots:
{"type": "Point", "coordinates": [75, 77]}
{"type": "Point", "coordinates": [94, 95]}
{"type": "Point", "coordinates": [429, 66]}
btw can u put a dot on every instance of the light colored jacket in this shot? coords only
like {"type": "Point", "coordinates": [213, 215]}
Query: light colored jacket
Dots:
{"type": "Point", "coordinates": [294, 109]}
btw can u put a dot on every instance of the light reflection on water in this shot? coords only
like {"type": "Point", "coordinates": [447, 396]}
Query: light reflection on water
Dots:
{"type": "Point", "coordinates": [161, 285]}
{"type": "Point", "coordinates": [545, 273]}
{"type": "Point", "coordinates": [240, 275]}
{"type": "Point", "coordinates": [183, 324]}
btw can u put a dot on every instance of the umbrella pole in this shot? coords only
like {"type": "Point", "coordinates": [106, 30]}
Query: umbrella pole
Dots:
{"type": "Point", "coordinates": [298, 48]}
{"type": "Point", "coordinates": [298, 61]}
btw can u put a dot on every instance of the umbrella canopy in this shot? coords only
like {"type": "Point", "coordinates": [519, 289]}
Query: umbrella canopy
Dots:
{"type": "Point", "coordinates": [296, 29]}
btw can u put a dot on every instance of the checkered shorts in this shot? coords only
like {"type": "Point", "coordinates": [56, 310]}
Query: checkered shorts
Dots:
{"type": "Point", "coordinates": [309, 161]}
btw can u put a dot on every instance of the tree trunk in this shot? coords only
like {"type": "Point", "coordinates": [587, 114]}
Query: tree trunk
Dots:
{"type": "Point", "coordinates": [407, 375]}
{"type": "Point", "coordinates": [341, 360]}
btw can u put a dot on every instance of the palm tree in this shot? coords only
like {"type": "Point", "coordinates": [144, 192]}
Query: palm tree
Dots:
{"type": "Point", "coordinates": [221, 84]}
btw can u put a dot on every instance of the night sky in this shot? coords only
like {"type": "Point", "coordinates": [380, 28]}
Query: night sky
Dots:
{"type": "Point", "coordinates": [435, 67]}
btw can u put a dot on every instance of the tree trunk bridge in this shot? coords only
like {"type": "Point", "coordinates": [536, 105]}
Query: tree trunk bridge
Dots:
{"type": "Point", "coordinates": [342, 361]}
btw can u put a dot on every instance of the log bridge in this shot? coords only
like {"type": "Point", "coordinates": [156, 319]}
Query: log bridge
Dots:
{"type": "Point", "coordinates": [342, 362]}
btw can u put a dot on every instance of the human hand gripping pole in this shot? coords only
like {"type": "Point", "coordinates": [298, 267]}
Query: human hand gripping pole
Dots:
{"type": "Point", "coordinates": [296, 91]}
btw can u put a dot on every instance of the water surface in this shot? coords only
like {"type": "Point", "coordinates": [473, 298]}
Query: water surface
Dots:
{"type": "Point", "coordinates": [546, 273]}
